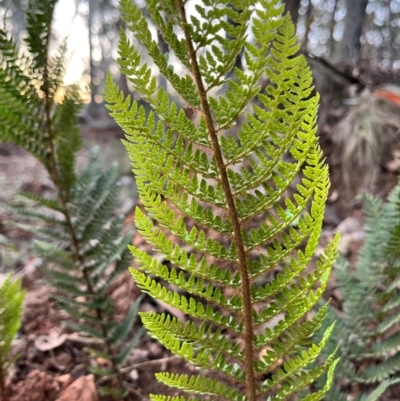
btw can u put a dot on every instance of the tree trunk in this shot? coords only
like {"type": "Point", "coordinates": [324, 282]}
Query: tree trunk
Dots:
{"type": "Point", "coordinates": [93, 88]}
{"type": "Point", "coordinates": [309, 17]}
{"type": "Point", "coordinates": [392, 36]}
{"type": "Point", "coordinates": [332, 29]}
{"type": "Point", "coordinates": [292, 7]}
{"type": "Point", "coordinates": [350, 45]}
{"type": "Point", "coordinates": [123, 80]}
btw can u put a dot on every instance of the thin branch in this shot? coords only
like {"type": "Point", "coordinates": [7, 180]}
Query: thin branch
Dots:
{"type": "Point", "coordinates": [153, 362]}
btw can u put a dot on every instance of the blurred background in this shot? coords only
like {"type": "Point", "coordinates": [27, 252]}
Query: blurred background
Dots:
{"type": "Point", "coordinates": [358, 39]}
{"type": "Point", "coordinates": [352, 46]}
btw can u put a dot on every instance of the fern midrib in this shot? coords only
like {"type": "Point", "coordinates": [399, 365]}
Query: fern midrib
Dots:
{"type": "Point", "coordinates": [232, 212]}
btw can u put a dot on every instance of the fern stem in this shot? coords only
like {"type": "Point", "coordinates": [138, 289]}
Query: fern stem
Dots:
{"type": "Point", "coordinates": [232, 211]}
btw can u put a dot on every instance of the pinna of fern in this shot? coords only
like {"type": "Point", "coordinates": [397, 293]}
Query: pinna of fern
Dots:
{"type": "Point", "coordinates": [79, 237]}
{"type": "Point", "coordinates": [366, 330]}
{"type": "Point", "coordinates": [224, 175]}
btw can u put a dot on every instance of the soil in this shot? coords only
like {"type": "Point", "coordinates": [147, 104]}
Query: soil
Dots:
{"type": "Point", "coordinates": [61, 373]}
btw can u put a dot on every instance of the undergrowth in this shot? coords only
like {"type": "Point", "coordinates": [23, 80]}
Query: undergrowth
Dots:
{"type": "Point", "coordinates": [79, 237]}
{"type": "Point", "coordinates": [367, 327]}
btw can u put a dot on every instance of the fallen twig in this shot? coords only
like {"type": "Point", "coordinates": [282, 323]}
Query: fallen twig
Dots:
{"type": "Point", "coordinates": [145, 364]}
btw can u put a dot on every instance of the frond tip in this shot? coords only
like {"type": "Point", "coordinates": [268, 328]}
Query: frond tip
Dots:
{"type": "Point", "coordinates": [219, 200]}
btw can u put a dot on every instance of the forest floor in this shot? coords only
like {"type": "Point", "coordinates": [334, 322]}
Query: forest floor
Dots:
{"type": "Point", "coordinates": [53, 366]}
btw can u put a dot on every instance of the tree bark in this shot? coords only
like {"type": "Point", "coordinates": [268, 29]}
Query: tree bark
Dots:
{"type": "Point", "coordinates": [309, 17]}
{"type": "Point", "coordinates": [350, 45]}
{"type": "Point", "coordinates": [392, 36]}
{"type": "Point", "coordinates": [332, 29]}
{"type": "Point", "coordinates": [93, 88]}
{"type": "Point", "coordinates": [292, 7]}
{"type": "Point", "coordinates": [123, 80]}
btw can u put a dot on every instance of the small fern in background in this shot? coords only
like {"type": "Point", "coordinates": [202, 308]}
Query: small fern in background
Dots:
{"type": "Point", "coordinates": [367, 329]}
{"type": "Point", "coordinates": [79, 237]}
{"type": "Point", "coordinates": [83, 277]}
{"type": "Point", "coordinates": [11, 306]}
{"type": "Point", "coordinates": [216, 185]}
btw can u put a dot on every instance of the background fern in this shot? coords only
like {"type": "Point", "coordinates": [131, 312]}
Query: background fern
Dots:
{"type": "Point", "coordinates": [79, 237]}
{"type": "Point", "coordinates": [215, 184]}
{"type": "Point", "coordinates": [366, 330]}
{"type": "Point", "coordinates": [11, 306]}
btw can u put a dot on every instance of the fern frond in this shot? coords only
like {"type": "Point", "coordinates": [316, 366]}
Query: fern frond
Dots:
{"type": "Point", "coordinates": [365, 332]}
{"type": "Point", "coordinates": [20, 106]}
{"type": "Point", "coordinates": [11, 306]}
{"type": "Point", "coordinates": [184, 86]}
{"type": "Point", "coordinates": [169, 398]}
{"type": "Point", "coordinates": [38, 26]}
{"type": "Point", "coordinates": [384, 370]}
{"type": "Point", "coordinates": [122, 330]}
{"type": "Point", "coordinates": [215, 185]}
{"type": "Point", "coordinates": [199, 385]}
{"type": "Point", "coordinates": [68, 137]}
{"type": "Point", "coordinates": [129, 347]}
{"type": "Point", "coordinates": [46, 202]}
{"type": "Point", "coordinates": [380, 390]}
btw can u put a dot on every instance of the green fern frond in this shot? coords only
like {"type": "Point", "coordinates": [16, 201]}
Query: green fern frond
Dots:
{"type": "Point", "coordinates": [26, 108]}
{"type": "Point", "coordinates": [129, 347]}
{"type": "Point", "coordinates": [46, 202]}
{"type": "Point", "coordinates": [222, 185]}
{"type": "Point", "coordinates": [200, 385]}
{"type": "Point", "coordinates": [11, 306]}
{"type": "Point", "coordinates": [365, 331]}
{"type": "Point", "coordinates": [20, 106]}
{"type": "Point", "coordinates": [56, 67]}
{"type": "Point", "coordinates": [379, 391]}
{"type": "Point", "coordinates": [385, 369]}
{"type": "Point", "coordinates": [169, 398]}
{"type": "Point", "coordinates": [122, 330]}
{"type": "Point", "coordinates": [68, 137]}
{"type": "Point", "coordinates": [103, 256]}
{"type": "Point", "coordinates": [38, 26]}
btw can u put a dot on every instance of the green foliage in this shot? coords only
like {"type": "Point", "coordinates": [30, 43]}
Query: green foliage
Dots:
{"type": "Point", "coordinates": [84, 276]}
{"type": "Point", "coordinates": [366, 330]}
{"type": "Point", "coordinates": [224, 185]}
{"type": "Point", "coordinates": [79, 237]}
{"type": "Point", "coordinates": [11, 306]}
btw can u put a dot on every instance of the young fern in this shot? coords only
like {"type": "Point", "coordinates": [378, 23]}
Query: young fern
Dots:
{"type": "Point", "coordinates": [79, 236]}
{"type": "Point", "coordinates": [366, 330]}
{"type": "Point", "coordinates": [215, 184]}
{"type": "Point", "coordinates": [11, 306]}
